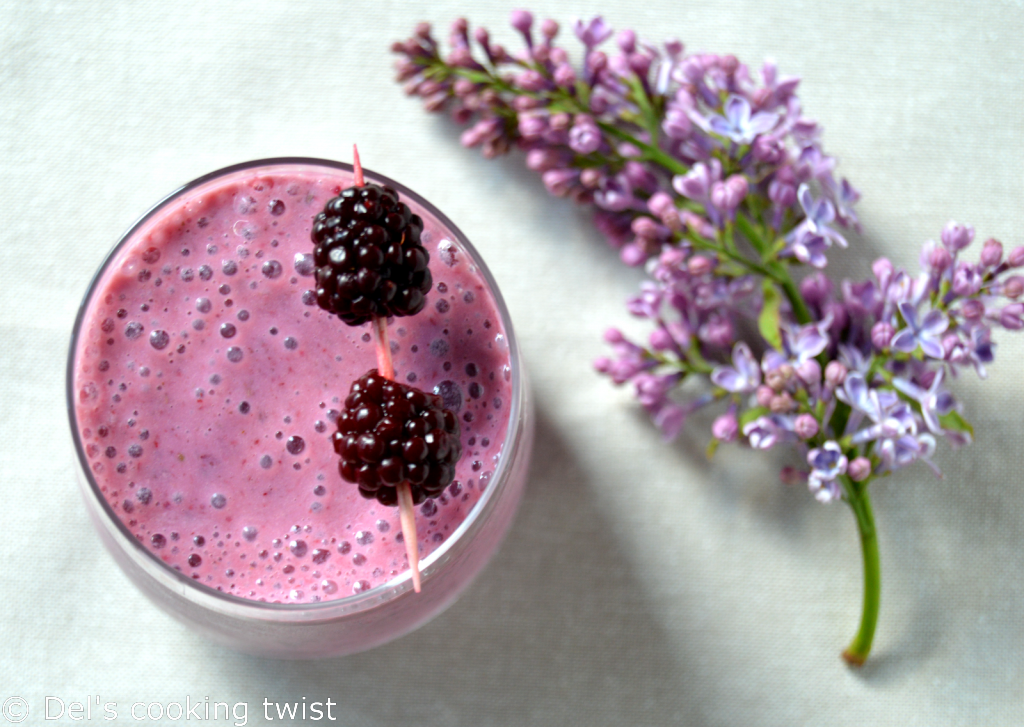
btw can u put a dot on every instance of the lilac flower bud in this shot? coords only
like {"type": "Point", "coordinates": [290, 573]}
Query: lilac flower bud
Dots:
{"type": "Point", "coordinates": [859, 469]}
{"type": "Point", "coordinates": [700, 265]}
{"type": "Point", "coordinates": [882, 268]}
{"type": "Point", "coordinates": [781, 193]}
{"type": "Point", "coordinates": [840, 316]}
{"type": "Point", "coordinates": [521, 20]}
{"type": "Point", "coordinates": [559, 181]}
{"type": "Point", "coordinates": [543, 159]}
{"type": "Point", "coordinates": [549, 28]}
{"type": "Point", "coordinates": [613, 336]}
{"type": "Point", "coordinates": [522, 103]}
{"type": "Point", "coordinates": [835, 374]}
{"type": "Point", "coordinates": [422, 30]}
{"type": "Point", "coordinates": [633, 254]}
{"type": "Point", "coordinates": [956, 237]}
{"type": "Point", "coordinates": [698, 224]}
{"type": "Point", "coordinates": [640, 177]}
{"type": "Point", "coordinates": [591, 177]}
{"type": "Point", "coordinates": [406, 69]}
{"type": "Point", "coordinates": [530, 81]}
{"type": "Point", "coordinates": [482, 36]}
{"type": "Point", "coordinates": [672, 257]}
{"type": "Point", "coordinates": [677, 124]}
{"type": "Point", "coordinates": [718, 332]}
{"type": "Point", "coordinates": [881, 335]}
{"type": "Point", "coordinates": [627, 41]}
{"type": "Point", "coordinates": [532, 126]}
{"type": "Point", "coordinates": [768, 149]}
{"type": "Point", "coordinates": [640, 64]}
{"type": "Point", "coordinates": [597, 61]}
{"type": "Point", "coordinates": [598, 104]}
{"type": "Point", "coordinates": [1016, 258]}
{"type": "Point", "coordinates": [660, 202]}
{"type": "Point", "coordinates": [973, 309]}
{"type": "Point", "coordinates": [560, 121]}
{"type": "Point", "coordinates": [1013, 287]}
{"type": "Point", "coordinates": [950, 343]}
{"type": "Point", "coordinates": [661, 340]}
{"type": "Point", "coordinates": [1012, 317]}
{"type": "Point", "coordinates": [727, 195]}
{"type": "Point", "coordinates": [764, 395]}
{"type": "Point", "coordinates": [782, 403]}
{"type": "Point", "coordinates": [564, 75]}
{"type": "Point", "coordinates": [805, 426]}
{"type": "Point", "coordinates": [461, 58]}
{"type": "Point", "coordinates": [780, 377]}
{"type": "Point", "coordinates": [967, 280]}
{"type": "Point", "coordinates": [816, 289]}
{"type": "Point", "coordinates": [991, 253]}
{"type": "Point", "coordinates": [435, 102]}
{"type": "Point", "coordinates": [644, 227]}
{"type": "Point", "coordinates": [585, 137]}
{"type": "Point", "coordinates": [809, 372]}
{"type": "Point", "coordinates": [725, 428]}
{"type": "Point", "coordinates": [939, 259]}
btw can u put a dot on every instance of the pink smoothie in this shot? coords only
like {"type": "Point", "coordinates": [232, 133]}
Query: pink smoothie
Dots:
{"type": "Point", "coordinates": [207, 383]}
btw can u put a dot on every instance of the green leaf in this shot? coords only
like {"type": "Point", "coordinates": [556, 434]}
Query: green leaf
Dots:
{"type": "Point", "coordinates": [954, 422]}
{"type": "Point", "coordinates": [768, 321]}
{"type": "Point", "coordinates": [751, 414]}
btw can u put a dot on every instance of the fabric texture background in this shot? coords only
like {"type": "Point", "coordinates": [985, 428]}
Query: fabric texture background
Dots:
{"type": "Point", "coordinates": [640, 584]}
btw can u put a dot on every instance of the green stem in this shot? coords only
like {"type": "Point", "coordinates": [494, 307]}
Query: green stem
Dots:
{"type": "Point", "coordinates": [857, 496]}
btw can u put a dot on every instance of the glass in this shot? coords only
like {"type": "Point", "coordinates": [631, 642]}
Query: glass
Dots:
{"type": "Point", "coordinates": [351, 623]}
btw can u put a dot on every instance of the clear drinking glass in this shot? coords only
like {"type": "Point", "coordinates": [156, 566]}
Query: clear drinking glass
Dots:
{"type": "Point", "coordinates": [335, 625]}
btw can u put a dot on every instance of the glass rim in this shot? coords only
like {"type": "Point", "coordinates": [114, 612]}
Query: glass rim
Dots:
{"type": "Point", "coordinates": [391, 589]}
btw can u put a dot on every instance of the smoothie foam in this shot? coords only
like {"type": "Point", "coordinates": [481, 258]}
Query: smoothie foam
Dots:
{"type": "Point", "coordinates": [206, 383]}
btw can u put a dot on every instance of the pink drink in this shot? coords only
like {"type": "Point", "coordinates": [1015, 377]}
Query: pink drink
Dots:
{"type": "Point", "coordinates": [206, 383]}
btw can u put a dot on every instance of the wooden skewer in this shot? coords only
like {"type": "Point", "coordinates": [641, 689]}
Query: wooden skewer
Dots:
{"type": "Point", "coordinates": [386, 368]}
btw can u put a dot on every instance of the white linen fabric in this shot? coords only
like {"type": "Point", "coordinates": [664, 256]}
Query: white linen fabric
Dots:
{"type": "Point", "coordinates": [641, 584]}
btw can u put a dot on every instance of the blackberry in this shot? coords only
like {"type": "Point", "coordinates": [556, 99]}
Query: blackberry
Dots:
{"type": "Point", "coordinates": [368, 256]}
{"type": "Point", "coordinates": [391, 432]}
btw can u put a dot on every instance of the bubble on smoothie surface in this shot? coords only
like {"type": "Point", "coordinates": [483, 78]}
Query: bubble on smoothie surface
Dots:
{"type": "Point", "coordinates": [203, 305]}
{"type": "Point", "coordinates": [266, 461]}
{"type": "Point", "coordinates": [439, 347]}
{"type": "Point", "coordinates": [304, 263]}
{"type": "Point", "coordinates": [298, 548]}
{"type": "Point", "coordinates": [446, 252]}
{"type": "Point", "coordinates": [272, 269]}
{"type": "Point", "coordinates": [364, 537]}
{"type": "Point", "coordinates": [228, 330]}
{"type": "Point", "coordinates": [249, 533]}
{"type": "Point", "coordinates": [229, 267]}
{"type": "Point", "coordinates": [276, 207]}
{"type": "Point", "coordinates": [295, 445]}
{"type": "Point", "coordinates": [450, 394]}
{"type": "Point", "coordinates": [159, 339]}
{"type": "Point", "coordinates": [234, 354]}
{"type": "Point", "coordinates": [133, 330]}
{"type": "Point", "coordinates": [218, 501]}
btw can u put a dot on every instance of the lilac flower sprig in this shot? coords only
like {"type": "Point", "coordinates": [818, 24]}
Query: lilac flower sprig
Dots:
{"type": "Point", "coordinates": [711, 176]}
